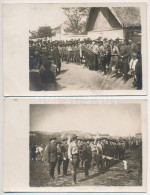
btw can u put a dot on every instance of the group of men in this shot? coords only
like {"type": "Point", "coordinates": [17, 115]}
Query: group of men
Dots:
{"type": "Point", "coordinates": [83, 154]}
{"type": "Point", "coordinates": [44, 65]}
{"type": "Point", "coordinates": [120, 57]}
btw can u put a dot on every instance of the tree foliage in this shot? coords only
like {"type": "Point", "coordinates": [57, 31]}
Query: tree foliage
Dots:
{"type": "Point", "coordinates": [45, 31]}
{"type": "Point", "coordinates": [76, 19]}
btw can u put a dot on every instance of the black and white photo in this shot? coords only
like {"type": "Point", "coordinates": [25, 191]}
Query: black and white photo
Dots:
{"type": "Point", "coordinates": [85, 145]}
{"type": "Point", "coordinates": [75, 49]}
{"type": "Point", "coordinates": [85, 48]}
{"type": "Point", "coordinates": [67, 145]}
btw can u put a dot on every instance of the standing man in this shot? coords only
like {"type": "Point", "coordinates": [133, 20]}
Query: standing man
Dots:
{"type": "Point", "coordinates": [132, 47]}
{"type": "Point", "coordinates": [65, 156]}
{"type": "Point", "coordinates": [99, 154]}
{"type": "Point", "coordinates": [103, 57]}
{"type": "Point", "coordinates": [52, 157]}
{"type": "Point", "coordinates": [124, 52]}
{"type": "Point", "coordinates": [115, 54]}
{"type": "Point", "coordinates": [80, 144]}
{"type": "Point", "coordinates": [95, 49]}
{"type": "Point", "coordinates": [73, 153]}
{"type": "Point", "coordinates": [94, 153]}
{"type": "Point", "coordinates": [87, 157]}
{"type": "Point", "coordinates": [56, 57]}
{"type": "Point", "coordinates": [59, 156]}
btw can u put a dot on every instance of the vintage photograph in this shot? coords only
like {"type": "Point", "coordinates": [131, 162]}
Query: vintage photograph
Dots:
{"type": "Point", "coordinates": [85, 48]}
{"type": "Point", "coordinates": [86, 145]}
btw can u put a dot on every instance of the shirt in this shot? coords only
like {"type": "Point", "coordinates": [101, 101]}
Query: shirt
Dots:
{"type": "Point", "coordinates": [96, 49]}
{"type": "Point", "coordinates": [73, 149]}
{"type": "Point", "coordinates": [115, 51]}
{"type": "Point", "coordinates": [133, 64]}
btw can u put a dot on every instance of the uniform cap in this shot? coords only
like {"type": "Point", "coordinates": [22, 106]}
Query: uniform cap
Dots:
{"type": "Point", "coordinates": [64, 139]}
{"type": "Point", "coordinates": [52, 138]}
{"type": "Point", "coordinates": [73, 137]}
{"type": "Point", "coordinates": [105, 39]}
{"type": "Point", "coordinates": [58, 141]}
{"type": "Point", "coordinates": [79, 138]}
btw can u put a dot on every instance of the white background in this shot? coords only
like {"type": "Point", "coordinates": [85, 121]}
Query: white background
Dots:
{"type": "Point", "coordinates": [16, 25]}
{"type": "Point", "coordinates": [16, 144]}
{"type": "Point", "coordinates": [1, 98]}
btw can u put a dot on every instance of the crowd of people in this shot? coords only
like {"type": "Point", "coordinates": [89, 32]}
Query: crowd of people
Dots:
{"type": "Point", "coordinates": [118, 57]}
{"type": "Point", "coordinates": [82, 153]}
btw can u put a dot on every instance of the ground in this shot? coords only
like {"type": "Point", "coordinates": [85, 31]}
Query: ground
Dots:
{"type": "Point", "coordinates": [79, 77]}
{"type": "Point", "coordinates": [115, 176]}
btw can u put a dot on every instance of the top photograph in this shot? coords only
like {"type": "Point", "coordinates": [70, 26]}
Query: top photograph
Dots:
{"type": "Point", "coordinates": [92, 49]}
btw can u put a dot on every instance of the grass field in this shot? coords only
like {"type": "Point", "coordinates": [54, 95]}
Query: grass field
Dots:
{"type": "Point", "coordinates": [114, 176]}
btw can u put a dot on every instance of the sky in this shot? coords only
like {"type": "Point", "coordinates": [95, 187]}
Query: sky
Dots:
{"type": "Point", "coordinates": [114, 119]}
{"type": "Point", "coordinates": [45, 14]}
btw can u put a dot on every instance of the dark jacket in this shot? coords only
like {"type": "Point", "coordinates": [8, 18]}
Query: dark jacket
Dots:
{"type": "Point", "coordinates": [36, 83]}
{"type": "Point", "coordinates": [56, 57]}
{"type": "Point", "coordinates": [52, 153]}
{"type": "Point", "coordinates": [48, 76]}
{"type": "Point", "coordinates": [65, 150]}
{"type": "Point", "coordinates": [124, 51]}
{"type": "Point", "coordinates": [87, 154]}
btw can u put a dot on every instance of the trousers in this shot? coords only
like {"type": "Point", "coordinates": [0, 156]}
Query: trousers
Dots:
{"type": "Point", "coordinates": [52, 169]}
{"type": "Point", "coordinates": [65, 166]}
{"type": "Point", "coordinates": [75, 161]}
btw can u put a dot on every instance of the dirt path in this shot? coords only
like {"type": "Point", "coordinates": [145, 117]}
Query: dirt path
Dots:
{"type": "Point", "coordinates": [79, 77]}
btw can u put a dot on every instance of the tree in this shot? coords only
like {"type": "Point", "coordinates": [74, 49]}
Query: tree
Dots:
{"type": "Point", "coordinates": [77, 18]}
{"type": "Point", "coordinates": [45, 31]}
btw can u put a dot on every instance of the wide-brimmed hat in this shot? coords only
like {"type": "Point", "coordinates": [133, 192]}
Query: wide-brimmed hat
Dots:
{"type": "Point", "coordinates": [64, 139]}
{"type": "Point", "coordinates": [105, 39]}
{"type": "Point", "coordinates": [58, 141]}
{"type": "Point", "coordinates": [73, 137]}
{"type": "Point", "coordinates": [52, 138]}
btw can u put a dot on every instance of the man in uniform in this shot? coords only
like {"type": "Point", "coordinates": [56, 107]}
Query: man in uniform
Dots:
{"type": "Point", "coordinates": [95, 49]}
{"type": "Point", "coordinates": [115, 54]}
{"type": "Point", "coordinates": [73, 154]}
{"type": "Point", "coordinates": [103, 57]}
{"type": "Point", "coordinates": [59, 155]}
{"type": "Point", "coordinates": [132, 47]}
{"type": "Point", "coordinates": [65, 156]}
{"type": "Point", "coordinates": [99, 154]}
{"type": "Point", "coordinates": [52, 157]}
{"type": "Point", "coordinates": [94, 153]}
{"type": "Point", "coordinates": [124, 52]}
{"type": "Point", "coordinates": [87, 157]}
{"type": "Point", "coordinates": [56, 57]}
{"type": "Point", "coordinates": [80, 144]}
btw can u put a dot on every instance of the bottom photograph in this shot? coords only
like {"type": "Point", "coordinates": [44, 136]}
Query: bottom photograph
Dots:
{"type": "Point", "coordinates": [86, 145]}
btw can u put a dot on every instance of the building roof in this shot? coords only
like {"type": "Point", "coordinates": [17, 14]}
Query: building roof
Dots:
{"type": "Point", "coordinates": [126, 16]}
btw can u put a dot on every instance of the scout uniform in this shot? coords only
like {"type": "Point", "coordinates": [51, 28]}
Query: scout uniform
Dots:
{"type": "Point", "coordinates": [73, 154]}
{"type": "Point", "coordinates": [65, 156]}
{"type": "Point", "coordinates": [52, 157]}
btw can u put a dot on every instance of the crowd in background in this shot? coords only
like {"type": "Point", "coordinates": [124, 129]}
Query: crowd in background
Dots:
{"type": "Point", "coordinates": [82, 153]}
{"type": "Point", "coordinates": [120, 58]}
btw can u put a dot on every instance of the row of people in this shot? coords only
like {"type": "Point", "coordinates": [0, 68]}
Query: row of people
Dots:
{"type": "Point", "coordinates": [122, 58]}
{"type": "Point", "coordinates": [81, 153]}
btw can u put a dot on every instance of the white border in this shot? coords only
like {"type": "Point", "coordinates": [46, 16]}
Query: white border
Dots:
{"type": "Point", "coordinates": [16, 68]}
